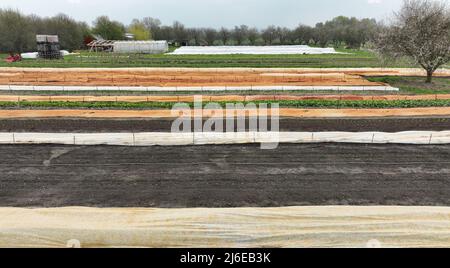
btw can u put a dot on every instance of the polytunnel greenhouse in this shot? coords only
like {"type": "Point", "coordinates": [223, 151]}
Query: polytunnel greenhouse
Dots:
{"type": "Point", "coordinates": [145, 47]}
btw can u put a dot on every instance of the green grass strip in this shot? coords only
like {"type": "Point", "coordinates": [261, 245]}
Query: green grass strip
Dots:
{"type": "Point", "coordinates": [286, 104]}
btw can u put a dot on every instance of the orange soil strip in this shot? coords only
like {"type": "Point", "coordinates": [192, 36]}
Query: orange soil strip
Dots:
{"type": "Point", "coordinates": [174, 79]}
{"type": "Point", "coordinates": [283, 112]}
{"type": "Point", "coordinates": [219, 98]}
{"type": "Point", "coordinates": [273, 71]}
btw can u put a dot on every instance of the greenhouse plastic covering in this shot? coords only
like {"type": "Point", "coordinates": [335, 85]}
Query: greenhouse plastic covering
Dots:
{"type": "Point", "coordinates": [146, 47]}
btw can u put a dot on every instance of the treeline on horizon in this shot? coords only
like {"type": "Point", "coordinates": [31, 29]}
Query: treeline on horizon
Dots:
{"type": "Point", "coordinates": [18, 32]}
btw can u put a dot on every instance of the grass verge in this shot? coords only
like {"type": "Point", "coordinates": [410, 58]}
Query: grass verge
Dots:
{"type": "Point", "coordinates": [415, 85]}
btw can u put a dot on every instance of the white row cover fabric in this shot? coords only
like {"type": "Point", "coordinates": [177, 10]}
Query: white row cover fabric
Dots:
{"type": "Point", "coordinates": [198, 89]}
{"type": "Point", "coordinates": [307, 226]}
{"type": "Point", "coordinates": [204, 138]}
{"type": "Point", "coordinates": [144, 47]}
{"type": "Point", "coordinates": [252, 50]}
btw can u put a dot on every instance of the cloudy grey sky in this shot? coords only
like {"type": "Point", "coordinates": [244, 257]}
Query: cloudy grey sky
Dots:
{"type": "Point", "coordinates": [214, 13]}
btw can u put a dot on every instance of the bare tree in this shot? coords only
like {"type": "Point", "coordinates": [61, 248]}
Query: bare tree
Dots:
{"type": "Point", "coordinates": [421, 31]}
{"type": "Point", "coordinates": [253, 35]}
{"type": "Point", "coordinates": [269, 35]}
{"type": "Point", "coordinates": [179, 31]}
{"type": "Point", "coordinates": [210, 36]}
{"type": "Point", "coordinates": [282, 33]}
{"type": "Point", "coordinates": [240, 34]}
{"type": "Point", "coordinates": [196, 35]}
{"type": "Point", "coordinates": [224, 35]}
{"type": "Point", "coordinates": [153, 25]}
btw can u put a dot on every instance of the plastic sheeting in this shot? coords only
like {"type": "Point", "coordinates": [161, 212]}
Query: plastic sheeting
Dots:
{"type": "Point", "coordinates": [341, 226]}
{"type": "Point", "coordinates": [35, 55]}
{"type": "Point", "coordinates": [255, 50]}
{"type": "Point", "coordinates": [30, 55]}
{"type": "Point", "coordinates": [198, 89]}
{"type": "Point", "coordinates": [144, 47]}
{"type": "Point", "coordinates": [204, 138]}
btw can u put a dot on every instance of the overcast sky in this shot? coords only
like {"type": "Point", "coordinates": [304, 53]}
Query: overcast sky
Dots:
{"type": "Point", "coordinates": [211, 13]}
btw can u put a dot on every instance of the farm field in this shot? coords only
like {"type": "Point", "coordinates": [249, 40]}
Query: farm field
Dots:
{"type": "Point", "coordinates": [224, 176]}
{"type": "Point", "coordinates": [253, 125]}
{"type": "Point", "coordinates": [167, 77]}
{"type": "Point", "coordinates": [105, 103]}
{"type": "Point", "coordinates": [350, 59]}
{"type": "Point", "coordinates": [286, 124]}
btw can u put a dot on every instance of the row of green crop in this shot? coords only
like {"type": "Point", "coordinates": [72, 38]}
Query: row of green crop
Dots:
{"type": "Point", "coordinates": [288, 104]}
{"type": "Point", "coordinates": [352, 58]}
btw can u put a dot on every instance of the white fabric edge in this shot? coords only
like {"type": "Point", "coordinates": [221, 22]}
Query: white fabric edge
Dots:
{"type": "Point", "coordinates": [204, 138]}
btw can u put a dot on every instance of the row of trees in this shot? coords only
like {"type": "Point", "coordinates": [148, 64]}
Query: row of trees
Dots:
{"type": "Point", "coordinates": [18, 31]}
{"type": "Point", "coordinates": [341, 30]}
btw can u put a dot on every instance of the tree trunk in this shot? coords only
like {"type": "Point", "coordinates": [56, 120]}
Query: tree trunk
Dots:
{"type": "Point", "coordinates": [429, 76]}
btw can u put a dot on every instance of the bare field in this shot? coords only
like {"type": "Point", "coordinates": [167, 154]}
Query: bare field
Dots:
{"type": "Point", "coordinates": [180, 78]}
{"type": "Point", "coordinates": [206, 113]}
{"type": "Point", "coordinates": [172, 77]}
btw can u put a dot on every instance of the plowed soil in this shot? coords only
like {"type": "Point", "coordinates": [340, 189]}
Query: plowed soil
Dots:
{"type": "Point", "coordinates": [224, 176]}
{"type": "Point", "coordinates": [87, 125]}
{"type": "Point", "coordinates": [179, 78]}
{"type": "Point", "coordinates": [201, 77]}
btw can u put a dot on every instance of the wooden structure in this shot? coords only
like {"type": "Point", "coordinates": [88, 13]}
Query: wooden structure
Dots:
{"type": "Point", "coordinates": [48, 47]}
{"type": "Point", "coordinates": [101, 46]}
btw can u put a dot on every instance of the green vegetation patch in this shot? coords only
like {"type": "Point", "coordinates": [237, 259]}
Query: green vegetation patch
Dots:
{"type": "Point", "coordinates": [349, 58]}
{"type": "Point", "coordinates": [287, 104]}
{"type": "Point", "coordinates": [415, 85]}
